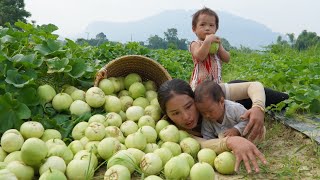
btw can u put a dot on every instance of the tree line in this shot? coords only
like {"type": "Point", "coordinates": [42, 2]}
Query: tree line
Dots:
{"type": "Point", "coordinates": [13, 10]}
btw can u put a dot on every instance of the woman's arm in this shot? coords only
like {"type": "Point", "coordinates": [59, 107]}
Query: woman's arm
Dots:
{"type": "Point", "coordinates": [254, 91]}
{"type": "Point", "coordinates": [218, 145]}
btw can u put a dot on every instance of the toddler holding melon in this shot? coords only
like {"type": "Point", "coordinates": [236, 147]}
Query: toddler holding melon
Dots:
{"type": "Point", "coordinates": [207, 52]}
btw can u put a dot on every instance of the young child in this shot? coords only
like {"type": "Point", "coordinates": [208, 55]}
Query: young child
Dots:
{"type": "Point", "coordinates": [221, 117]}
{"type": "Point", "coordinates": [207, 66]}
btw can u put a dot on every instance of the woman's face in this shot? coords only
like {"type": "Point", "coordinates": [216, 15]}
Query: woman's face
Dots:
{"type": "Point", "coordinates": [182, 111]}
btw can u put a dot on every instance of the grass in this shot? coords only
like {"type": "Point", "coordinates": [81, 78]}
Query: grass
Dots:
{"type": "Point", "coordinates": [290, 155]}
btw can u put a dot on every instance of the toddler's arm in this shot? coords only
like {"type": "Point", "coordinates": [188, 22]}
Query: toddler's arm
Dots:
{"type": "Point", "coordinates": [223, 54]}
{"type": "Point", "coordinates": [201, 50]}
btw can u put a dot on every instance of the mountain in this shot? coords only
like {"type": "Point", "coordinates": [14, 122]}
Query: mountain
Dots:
{"type": "Point", "coordinates": [237, 30]}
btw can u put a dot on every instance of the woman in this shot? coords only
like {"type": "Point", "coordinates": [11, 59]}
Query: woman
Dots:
{"type": "Point", "coordinates": [176, 99]}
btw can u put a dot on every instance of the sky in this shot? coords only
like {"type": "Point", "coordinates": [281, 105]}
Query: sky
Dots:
{"type": "Point", "coordinates": [72, 16]}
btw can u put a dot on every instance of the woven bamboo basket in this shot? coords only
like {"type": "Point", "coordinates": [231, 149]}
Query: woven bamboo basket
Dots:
{"type": "Point", "coordinates": [147, 68]}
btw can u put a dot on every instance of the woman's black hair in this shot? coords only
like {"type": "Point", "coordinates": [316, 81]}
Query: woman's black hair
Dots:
{"type": "Point", "coordinates": [171, 87]}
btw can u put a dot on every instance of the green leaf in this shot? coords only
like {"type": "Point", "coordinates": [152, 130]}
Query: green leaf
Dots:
{"type": "Point", "coordinates": [20, 79]}
{"type": "Point", "coordinates": [6, 38]}
{"type": "Point", "coordinates": [12, 112]}
{"type": "Point", "coordinates": [315, 106]}
{"type": "Point", "coordinates": [3, 57]}
{"type": "Point", "coordinates": [49, 28]}
{"type": "Point", "coordinates": [54, 45]}
{"type": "Point", "coordinates": [58, 65]}
{"type": "Point", "coordinates": [29, 60]}
{"type": "Point", "coordinates": [24, 26]}
{"type": "Point", "coordinates": [23, 111]}
{"type": "Point", "coordinates": [78, 68]}
{"type": "Point", "coordinates": [48, 47]}
{"type": "Point", "coordinates": [43, 49]}
{"type": "Point", "coordinates": [28, 96]}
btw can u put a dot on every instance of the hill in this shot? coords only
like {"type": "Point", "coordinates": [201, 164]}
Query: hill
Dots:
{"type": "Point", "coordinates": [237, 30]}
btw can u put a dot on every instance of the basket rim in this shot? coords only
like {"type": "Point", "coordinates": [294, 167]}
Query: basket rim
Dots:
{"type": "Point", "coordinates": [103, 72]}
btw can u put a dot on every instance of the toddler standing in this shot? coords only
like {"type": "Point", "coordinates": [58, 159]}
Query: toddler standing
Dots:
{"type": "Point", "coordinates": [207, 66]}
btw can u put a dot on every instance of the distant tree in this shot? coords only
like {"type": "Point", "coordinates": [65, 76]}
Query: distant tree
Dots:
{"type": "Point", "coordinates": [306, 40]}
{"type": "Point", "coordinates": [291, 38]}
{"type": "Point", "coordinates": [280, 41]}
{"type": "Point", "coordinates": [156, 42]}
{"type": "Point", "coordinates": [171, 36]}
{"type": "Point", "coordinates": [81, 41]}
{"type": "Point", "coordinates": [12, 11]}
{"type": "Point", "coordinates": [100, 39]}
{"type": "Point", "coordinates": [101, 36]}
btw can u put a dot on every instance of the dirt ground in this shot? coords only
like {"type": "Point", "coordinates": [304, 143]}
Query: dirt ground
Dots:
{"type": "Point", "coordinates": [290, 155]}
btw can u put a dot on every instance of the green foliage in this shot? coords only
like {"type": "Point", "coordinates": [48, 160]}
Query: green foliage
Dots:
{"type": "Point", "coordinates": [12, 11]}
{"type": "Point", "coordinates": [31, 56]}
{"type": "Point", "coordinates": [178, 63]}
{"type": "Point", "coordinates": [291, 71]}
{"type": "Point", "coordinates": [170, 40]}
{"type": "Point", "coordinates": [306, 40]}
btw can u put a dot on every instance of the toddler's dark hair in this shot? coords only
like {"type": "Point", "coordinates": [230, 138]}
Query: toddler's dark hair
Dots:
{"type": "Point", "coordinates": [206, 11]}
{"type": "Point", "coordinates": [208, 89]}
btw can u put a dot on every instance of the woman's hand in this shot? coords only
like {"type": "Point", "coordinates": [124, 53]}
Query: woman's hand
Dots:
{"type": "Point", "coordinates": [245, 151]}
{"type": "Point", "coordinates": [255, 124]}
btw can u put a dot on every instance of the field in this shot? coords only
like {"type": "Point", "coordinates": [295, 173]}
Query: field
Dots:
{"type": "Point", "coordinates": [290, 155]}
{"type": "Point", "coordinates": [32, 56]}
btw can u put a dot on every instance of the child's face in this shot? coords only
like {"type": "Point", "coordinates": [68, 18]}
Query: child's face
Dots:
{"type": "Point", "coordinates": [206, 25]}
{"type": "Point", "coordinates": [211, 110]}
